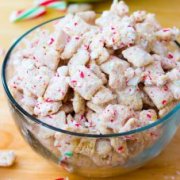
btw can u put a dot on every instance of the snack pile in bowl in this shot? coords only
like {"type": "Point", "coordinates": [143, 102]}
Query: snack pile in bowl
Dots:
{"type": "Point", "coordinates": [102, 75]}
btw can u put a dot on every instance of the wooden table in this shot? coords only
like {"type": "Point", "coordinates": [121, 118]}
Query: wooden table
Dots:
{"type": "Point", "coordinates": [29, 165]}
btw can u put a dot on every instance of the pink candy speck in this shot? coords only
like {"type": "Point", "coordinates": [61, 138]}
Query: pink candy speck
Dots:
{"type": "Point", "coordinates": [165, 88]}
{"type": "Point", "coordinates": [112, 120]}
{"type": "Point", "coordinates": [82, 117]}
{"type": "Point", "coordinates": [62, 178]}
{"type": "Point", "coordinates": [81, 74]}
{"type": "Point", "coordinates": [74, 82]}
{"type": "Point", "coordinates": [148, 115]}
{"type": "Point", "coordinates": [49, 100]}
{"type": "Point", "coordinates": [77, 125]}
{"type": "Point", "coordinates": [144, 77]}
{"type": "Point", "coordinates": [58, 145]}
{"type": "Point", "coordinates": [120, 148]}
{"type": "Point", "coordinates": [130, 44]}
{"type": "Point", "coordinates": [170, 56]}
{"type": "Point", "coordinates": [77, 38]}
{"type": "Point", "coordinates": [86, 47]}
{"type": "Point", "coordinates": [164, 102]}
{"type": "Point", "coordinates": [49, 116]}
{"type": "Point", "coordinates": [51, 41]}
{"type": "Point", "coordinates": [165, 30]}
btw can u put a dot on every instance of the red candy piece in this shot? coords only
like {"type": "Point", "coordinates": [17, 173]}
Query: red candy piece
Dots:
{"type": "Point", "coordinates": [164, 102]}
{"type": "Point", "coordinates": [81, 74]}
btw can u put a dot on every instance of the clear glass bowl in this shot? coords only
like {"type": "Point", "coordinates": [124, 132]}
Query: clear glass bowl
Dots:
{"type": "Point", "coordinates": [143, 144]}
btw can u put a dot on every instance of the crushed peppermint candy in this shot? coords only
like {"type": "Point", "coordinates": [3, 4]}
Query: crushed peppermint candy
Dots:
{"type": "Point", "coordinates": [82, 74]}
{"type": "Point", "coordinates": [149, 116]}
{"type": "Point", "coordinates": [51, 41]}
{"type": "Point", "coordinates": [170, 56]}
{"type": "Point", "coordinates": [98, 75]}
{"type": "Point", "coordinates": [120, 148]}
{"type": "Point", "coordinates": [164, 102]}
{"type": "Point", "coordinates": [66, 178]}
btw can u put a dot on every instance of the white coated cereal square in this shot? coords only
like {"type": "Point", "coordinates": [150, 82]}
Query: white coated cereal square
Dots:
{"type": "Point", "coordinates": [104, 95]}
{"type": "Point", "coordinates": [97, 71]}
{"type": "Point", "coordinates": [103, 147]}
{"type": "Point", "coordinates": [45, 107]}
{"type": "Point", "coordinates": [58, 86]}
{"type": "Point", "coordinates": [114, 117]}
{"type": "Point", "coordinates": [97, 49]}
{"type": "Point", "coordinates": [86, 147]}
{"type": "Point", "coordinates": [71, 47]}
{"type": "Point", "coordinates": [167, 108]}
{"type": "Point", "coordinates": [114, 64]}
{"type": "Point", "coordinates": [130, 124]}
{"type": "Point", "coordinates": [85, 82]}
{"type": "Point", "coordinates": [57, 120]}
{"type": "Point", "coordinates": [95, 107]}
{"type": "Point", "coordinates": [137, 56]}
{"type": "Point", "coordinates": [7, 158]}
{"type": "Point", "coordinates": [160, 96]}
{"type": "Point", "coordinates": [35, 79]}
{"type": "Point", "coordinates": [73, 25]}
{"type": "Point", "coordinates": [80, 58]}
{"type": "Point", "coordinates": [46, 57]}
{"type": "Point", "coordinates": [88, 16]}
{"type": "Point", "coordinates": [153, 73]}
{"type": "Point", "coordinates": [147, 116]}
{"type": "Point", "coordinates": [130, 96]}
{"type": "Point", "coordinates": [168, 34]}
{"type": "Point", "coordinates": [120, 8]}
{"type": "Point", "coordinates": [78, 103]}
{"type": "Point", "coordinates": [175, 89]}
{"type": "Point", "coordinates": [60, 40]}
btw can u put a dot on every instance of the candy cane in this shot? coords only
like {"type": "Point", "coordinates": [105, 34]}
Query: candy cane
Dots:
{"type": "Point", "coordinates": [54, 4]}
{"type": "Point", "coordinates": [27, 14]}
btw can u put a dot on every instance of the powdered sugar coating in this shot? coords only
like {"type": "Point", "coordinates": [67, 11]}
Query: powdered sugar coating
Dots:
{"type": "Point", "coordinates": [112, 74]}
{"type": "Point", "coordinates": [7, 158]}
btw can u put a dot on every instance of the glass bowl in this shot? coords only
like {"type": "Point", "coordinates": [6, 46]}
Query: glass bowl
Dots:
{"type": "Point", "coordinates": [142, 144]}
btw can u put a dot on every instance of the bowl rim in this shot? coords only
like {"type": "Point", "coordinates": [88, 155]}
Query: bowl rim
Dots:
{"type": "Point", "coordinates": [38, 121]}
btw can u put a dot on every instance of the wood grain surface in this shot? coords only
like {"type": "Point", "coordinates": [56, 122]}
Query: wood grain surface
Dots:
{"type": "Point", "coordinates": [31, 166]}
